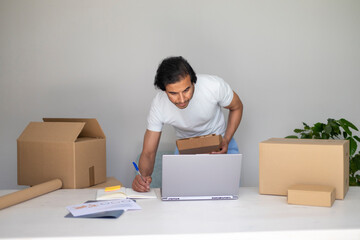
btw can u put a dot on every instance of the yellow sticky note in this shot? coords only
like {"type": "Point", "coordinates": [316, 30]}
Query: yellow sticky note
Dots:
{"type": "Point", "coordinates": [113, 188]}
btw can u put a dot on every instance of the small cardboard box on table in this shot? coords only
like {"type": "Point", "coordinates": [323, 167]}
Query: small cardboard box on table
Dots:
{"type": "Point", "coordinates": [71, 149]}
{"type": "Point", "coordinates": [311, 195]}
{"type": "Point", "coordinates": [285, 162]}
{"type": "Point", "coordinates": [198, 145]}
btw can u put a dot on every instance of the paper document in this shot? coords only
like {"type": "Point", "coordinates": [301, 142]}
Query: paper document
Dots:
{"type": "Point", "coordinates": [124, 193]}
{"type": "Point", "coordinates": [105, 214]}
{"type": "Point", "coordinates": [101, 206]}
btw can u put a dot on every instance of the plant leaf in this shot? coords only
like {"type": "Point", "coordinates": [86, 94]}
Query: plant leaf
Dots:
{"type": "Point", "coordinates": [292, 136]}
{"type": "Point", "coordinates": [318, 127]}
{"type": "Point", "coordinates": [333, 123]}
{"type": "Point", "coordinates": [352, 181]}
{"type": "Point", "coordinates": [325, 136]}
{"type": "Point", "coordinates": [336, 129]}
{"type": "Point", "coordinates": [345, 135]}
{"type": "Point", "coordinates": [328, 129]}
{"type": "Point", "coordinates": [353, 145]}
{"type": "Point", "coordinates": [349, 124]}
{"type": "Point", "coordinates": [357, 138]}
{"type": "Point", "coordinates": [306, 135]}
{"type": "Point", "coordinates": [353, 168]}
{"type": "Point", "coordinates": [345, 127]}
{"type": "Point", "coordinates": [356, 160]}
{"type": "Point", "coordinates": [306, 127]}
{"type": "Point", "coordinates": [299, 130]}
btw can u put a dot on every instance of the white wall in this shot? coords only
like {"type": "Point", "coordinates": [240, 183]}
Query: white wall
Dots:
{"type": "Point", "coordinates": [289, 61]}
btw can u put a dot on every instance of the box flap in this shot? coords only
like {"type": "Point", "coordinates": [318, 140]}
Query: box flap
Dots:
{"type": "Point", "coordinates": [51, 132]}
{"type": "Point", "coordinates": [305, 141]}
{"type": "Point", "coordinates": [312, 188]}
{"type": "Point", "coordinates": [92, 127]}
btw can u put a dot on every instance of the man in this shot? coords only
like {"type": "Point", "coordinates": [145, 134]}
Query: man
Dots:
{"type": "Point", "coordinates": [192, 105]}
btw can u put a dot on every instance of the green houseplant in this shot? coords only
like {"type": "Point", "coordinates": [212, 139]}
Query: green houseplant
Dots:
{"type": "Point", "coordinates": [336, 129]}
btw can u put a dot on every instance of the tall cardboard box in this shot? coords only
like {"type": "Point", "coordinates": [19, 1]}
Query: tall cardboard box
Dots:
{"type": "Point", "coordinates": [198, 145]}
{"type": "Point", "coordinates": [286, 162]}
{"type": "Point", "coordinates": [73, 150]}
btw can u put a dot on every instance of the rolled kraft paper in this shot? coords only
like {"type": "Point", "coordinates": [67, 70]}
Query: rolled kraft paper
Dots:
{"type": "Point", "coordinates": [29, 193]}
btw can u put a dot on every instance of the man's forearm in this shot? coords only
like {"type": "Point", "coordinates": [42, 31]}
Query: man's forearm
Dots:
{"type": "Point", "coordinates": [147, 157]}
{"type": "Point", "coordinates": [234, 119]}
{"type": "Point", "coordinates": [233, 123]}
{"type": "Point", "coordinates": [146, 164]}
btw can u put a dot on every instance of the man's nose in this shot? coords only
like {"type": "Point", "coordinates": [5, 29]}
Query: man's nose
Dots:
{"type": "Point", "coordinates": [182, 98]}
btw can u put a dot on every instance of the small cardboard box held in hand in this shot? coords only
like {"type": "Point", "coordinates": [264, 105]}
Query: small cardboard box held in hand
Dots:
{"type": "Point", "coordinates": [198, 145]}
{"type": "Point", "coordinates": [284, 162]}
{"type": "Point", "coordinates": [73, 150]}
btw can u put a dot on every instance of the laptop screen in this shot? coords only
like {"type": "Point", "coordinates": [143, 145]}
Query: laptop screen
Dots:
{"type": "Point", "coordinates": [201, 176]}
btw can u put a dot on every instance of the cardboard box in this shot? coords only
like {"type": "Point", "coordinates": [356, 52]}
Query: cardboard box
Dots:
{"type": "Point", "coordinates": [311, 195]}
{"type": "Point", "coordinates": [197, 145]}
{"type": "Point", "coordinates": [285, 162]}
{"type": "Point", "coordinates": [73, 150]}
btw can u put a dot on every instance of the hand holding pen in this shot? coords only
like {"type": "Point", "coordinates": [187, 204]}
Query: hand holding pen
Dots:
{"type": "Point", "coordinates": [137, 170]}
{"type": "Point", "coordinates": [141, 183]}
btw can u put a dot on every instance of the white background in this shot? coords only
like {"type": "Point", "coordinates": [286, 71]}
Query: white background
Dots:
{"type": "Point", "coordinates": [289, 61]}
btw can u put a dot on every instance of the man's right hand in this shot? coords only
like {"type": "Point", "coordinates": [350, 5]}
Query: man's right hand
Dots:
{"type": "Point", "coordinates": [147, 161]}
{"type": "Point", "coordinates": [139, 185]}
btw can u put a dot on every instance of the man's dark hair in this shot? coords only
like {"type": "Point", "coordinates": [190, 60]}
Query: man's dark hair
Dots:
{"type": "Point", "coordinates": [172, 70]}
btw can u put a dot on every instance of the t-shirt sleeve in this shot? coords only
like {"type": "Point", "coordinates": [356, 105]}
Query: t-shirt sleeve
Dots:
{"type": "Point", "coordinates": [225, 93]}
{"type": "Point", "coordinates": [154, 122]}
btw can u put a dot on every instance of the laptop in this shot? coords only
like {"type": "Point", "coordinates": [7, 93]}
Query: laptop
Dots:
{"type": "Point", "coordinates": [200, 177]}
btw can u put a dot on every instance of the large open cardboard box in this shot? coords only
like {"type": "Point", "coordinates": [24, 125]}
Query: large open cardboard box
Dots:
{"type": "Point", "coordinates": [201, 144]}
{"type": "Point", "coordinates": [285, 162]}
{"type": "Point", "coordinates": [73, 150]}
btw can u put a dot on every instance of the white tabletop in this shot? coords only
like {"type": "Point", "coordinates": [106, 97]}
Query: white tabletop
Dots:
{"type": "Point", "coordinates": [252, 216]}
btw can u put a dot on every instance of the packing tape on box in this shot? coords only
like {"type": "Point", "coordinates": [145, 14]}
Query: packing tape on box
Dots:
{"type": "Point", "coordinates": [29, 193]}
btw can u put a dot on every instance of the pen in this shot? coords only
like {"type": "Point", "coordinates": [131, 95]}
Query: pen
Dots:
{"type": "Point", "coordinates": [137, 170]}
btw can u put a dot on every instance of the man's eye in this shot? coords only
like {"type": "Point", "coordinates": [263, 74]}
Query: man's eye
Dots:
{"type": "Point", "coordinates": [186, 90]}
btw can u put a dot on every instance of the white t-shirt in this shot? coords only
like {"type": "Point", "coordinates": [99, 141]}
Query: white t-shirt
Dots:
{"type": "Point", "coordinates": [202, 116]}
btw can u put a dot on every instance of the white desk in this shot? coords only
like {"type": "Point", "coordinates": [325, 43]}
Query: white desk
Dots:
{"type": "Point", "coordinates": [252, 216]}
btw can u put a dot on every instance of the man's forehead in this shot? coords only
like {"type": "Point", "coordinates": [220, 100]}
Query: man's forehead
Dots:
{"type": "Point", "coordinates": [180, 85]}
